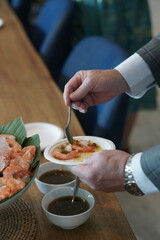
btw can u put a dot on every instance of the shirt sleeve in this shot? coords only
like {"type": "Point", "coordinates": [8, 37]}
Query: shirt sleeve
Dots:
{"type": "Point", "coordinates": [150, 53]}
{"type": "Point", "coordinates": [137, 74]}
{"type": "Point", "coordinates": [143, 182]}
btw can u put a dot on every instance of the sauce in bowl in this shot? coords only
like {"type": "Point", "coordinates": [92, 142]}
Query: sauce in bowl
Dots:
{"type": "Point", "coordinates": [65, 207]}
{"type": "Point", "coordinates": [57, 176]}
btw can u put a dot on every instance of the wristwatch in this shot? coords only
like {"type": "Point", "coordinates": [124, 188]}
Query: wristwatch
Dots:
{"type": "Point", "coordinates": [130, 183]}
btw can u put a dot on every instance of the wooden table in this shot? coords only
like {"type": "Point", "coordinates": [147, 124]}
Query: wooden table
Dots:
{"type": "Point", "coordinates": [27, 90]}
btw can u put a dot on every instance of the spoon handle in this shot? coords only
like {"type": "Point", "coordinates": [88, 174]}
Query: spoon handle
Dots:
{"type": "Point", "coordinates": [77, 182]}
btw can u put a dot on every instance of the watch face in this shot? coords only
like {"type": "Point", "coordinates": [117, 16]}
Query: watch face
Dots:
{"type": "Point", "coordinates": [133, 189]}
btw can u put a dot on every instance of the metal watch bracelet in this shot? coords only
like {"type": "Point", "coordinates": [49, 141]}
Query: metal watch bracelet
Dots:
{"type": "Point", "coordinates": [130, 183]}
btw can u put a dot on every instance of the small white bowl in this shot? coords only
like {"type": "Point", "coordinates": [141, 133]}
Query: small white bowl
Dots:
{"type": "Point", "coordinates": [48, 166]}
{"type": "Point", "coordinates": [67, 222]}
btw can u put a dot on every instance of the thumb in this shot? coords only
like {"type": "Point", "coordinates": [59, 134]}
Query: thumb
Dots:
{"type": "Point", "coordinates": [84, 174]}
{"type": "Point", "coordinates": [81, 170]}
{"type": "Point", "coordinates": [80, 92]}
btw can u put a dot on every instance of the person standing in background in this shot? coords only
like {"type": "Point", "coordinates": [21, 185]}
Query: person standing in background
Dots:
{"type": "Point", "coordinates": [128, 24]}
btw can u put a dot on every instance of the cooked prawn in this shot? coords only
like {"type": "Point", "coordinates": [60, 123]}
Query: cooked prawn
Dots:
{"type": "Point", "coordinates": [17, 172]}
{"type": "Point", "coordinates": [25, 158]}
{"type": "Point", "coordinates": [8, 136]}
{"type": "Point", "coordinates": [13, 155]}
{"type": "Point", "coordinates": [4, 192]}
{"type": "Point", "coordinates": [3, 163]}
{"type": "Point", "coordinates": [9, 186]}
{"type": "Point", "coordinates": [83, 148]}
{"type": "Point", "coordinates": [14, 165]}
{"type": "Point", "coordinates": [65, 156]}
{"type": "Point", "coordinates": [28, 153]}
{"type": "Point", "coordinates": [19, 162]}
{"type": "Point", "coordinates": [14, 146]}
{"type": "Point", "coordinates": [19, 184]}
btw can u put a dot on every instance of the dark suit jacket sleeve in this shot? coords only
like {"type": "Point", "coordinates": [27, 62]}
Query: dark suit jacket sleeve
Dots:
{"type": "Point", "coordinates": [150, 162]}
{"type": "Point", "coordinates": [151, 55]}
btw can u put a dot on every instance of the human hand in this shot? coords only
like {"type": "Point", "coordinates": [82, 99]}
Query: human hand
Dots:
{"type": "Point", "coordinates": [92, 87]}
{"type": "Point", "coordinates": [104, 170]}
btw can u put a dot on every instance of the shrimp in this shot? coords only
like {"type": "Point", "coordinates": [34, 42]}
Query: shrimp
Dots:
{"type": "Point", "coordinates": [3, 163]}
{"type": "Point", "coordinates": [4, 192]}
{"type": "Point", "coordinates": [11, 183]}
{"type": "Point", "coordinates": [19, 184]}
{"type": "Point", "coordinates": [6, 188]}
{"type": "Point", "coordinates": [8, 146]}
{"type": "Point", "coordinates": [19, 162]}
{"type": "Point", "coordinates": [17, 172]}
{"type": "Point", "coordinates": [8, 136]}
{"type": "Point", "coordinates": [14, 146]}
{"type": "Point", "coordinates": [28, 153]}
{"type": "Point", "coordinates": [65, 156]}
{"type": "Point", "coordinates": [83, 148]}
{"type": "Point", "coordinates": [24, 158]}
{"type": "Point", "coordinates": [13, 155]}
{"type": "Point", "coordinates": [14, 165]}
{"type": "Point", "coordinates": [9, 186]}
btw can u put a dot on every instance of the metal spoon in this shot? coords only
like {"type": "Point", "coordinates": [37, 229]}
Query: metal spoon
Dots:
{"type": "Point", "coordinates": [67, 129]}
{"type": "Point", "coordinates": [70, 140]}
{"type": "Point", "coordinates": [77, 182]}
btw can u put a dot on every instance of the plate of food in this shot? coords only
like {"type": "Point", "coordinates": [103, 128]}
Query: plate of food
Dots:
{"type": "Point", "coordinates": [48, 133]}
{"type": "Point", "coordinates": [19, 161]}
{"type": "Point", "coordinates": [64, 153]}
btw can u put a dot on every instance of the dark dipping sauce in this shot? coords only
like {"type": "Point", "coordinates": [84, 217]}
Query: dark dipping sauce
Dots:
{"type": "Point", "coordinates": [64, 207]}
{"type": "Point", "coordinates": [57, 176]}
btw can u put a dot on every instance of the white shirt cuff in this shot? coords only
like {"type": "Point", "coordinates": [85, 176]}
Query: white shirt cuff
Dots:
{"type": "Point", "coordinates": [143, 182]}
{"type": "Point", "coordinates": [137, 74]}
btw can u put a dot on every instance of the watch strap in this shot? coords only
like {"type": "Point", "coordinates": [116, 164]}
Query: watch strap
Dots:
{"type": "Point", "coordinates": [130, 183]}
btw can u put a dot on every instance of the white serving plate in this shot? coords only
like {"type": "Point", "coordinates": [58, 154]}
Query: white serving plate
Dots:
{"type": "Point", "coordinates": [102, 142]}
{"type": "Point", "coordinates": [48, 133]}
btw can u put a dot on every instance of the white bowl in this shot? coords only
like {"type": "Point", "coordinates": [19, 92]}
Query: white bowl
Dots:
{"type": "Point", "coordinates": [48, 166]}
{"type": "Point", "coordinates": [68, 222]}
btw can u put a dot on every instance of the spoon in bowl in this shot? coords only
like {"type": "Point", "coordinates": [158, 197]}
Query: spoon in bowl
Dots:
{"type": "Point", "coordinates": [70, 140]}
{"type": "Point", "coordinates": [77, 182]}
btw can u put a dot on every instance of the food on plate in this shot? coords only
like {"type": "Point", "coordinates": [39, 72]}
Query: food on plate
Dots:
{"type": "Point", "coordinates": [15, 162]}
{"type": "Point", "coordinates": [80, 149]}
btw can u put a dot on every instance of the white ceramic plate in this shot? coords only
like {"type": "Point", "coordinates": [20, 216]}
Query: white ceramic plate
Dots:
{"type": "Point", "coordinates": [1, 22]}
{"type": "Point", "coordinates": [48, 133]}
{"type": "Point", "coordinates": [102, 142]}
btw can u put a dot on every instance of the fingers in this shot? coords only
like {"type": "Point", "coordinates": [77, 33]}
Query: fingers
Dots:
{"type": "Point", "coordinates": [83, 172]}
{"type": "Point", "coordinates": [86, 171]}
{"type": "Point", "coordinates": [76, 91]}
{"type": "Point", "coordinates": [80, 106]}
{"type": "Point", "coordinates": [73, 84]}
{"type": "Point", "coordinates": [80, 92]}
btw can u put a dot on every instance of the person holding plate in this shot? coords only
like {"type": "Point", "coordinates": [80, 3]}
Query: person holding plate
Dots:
{"type": "Point", "coordinates": [115, 170]}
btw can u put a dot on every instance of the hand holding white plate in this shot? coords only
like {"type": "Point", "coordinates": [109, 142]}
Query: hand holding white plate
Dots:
{"type": "Point", "coordinates": [101, 142]}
